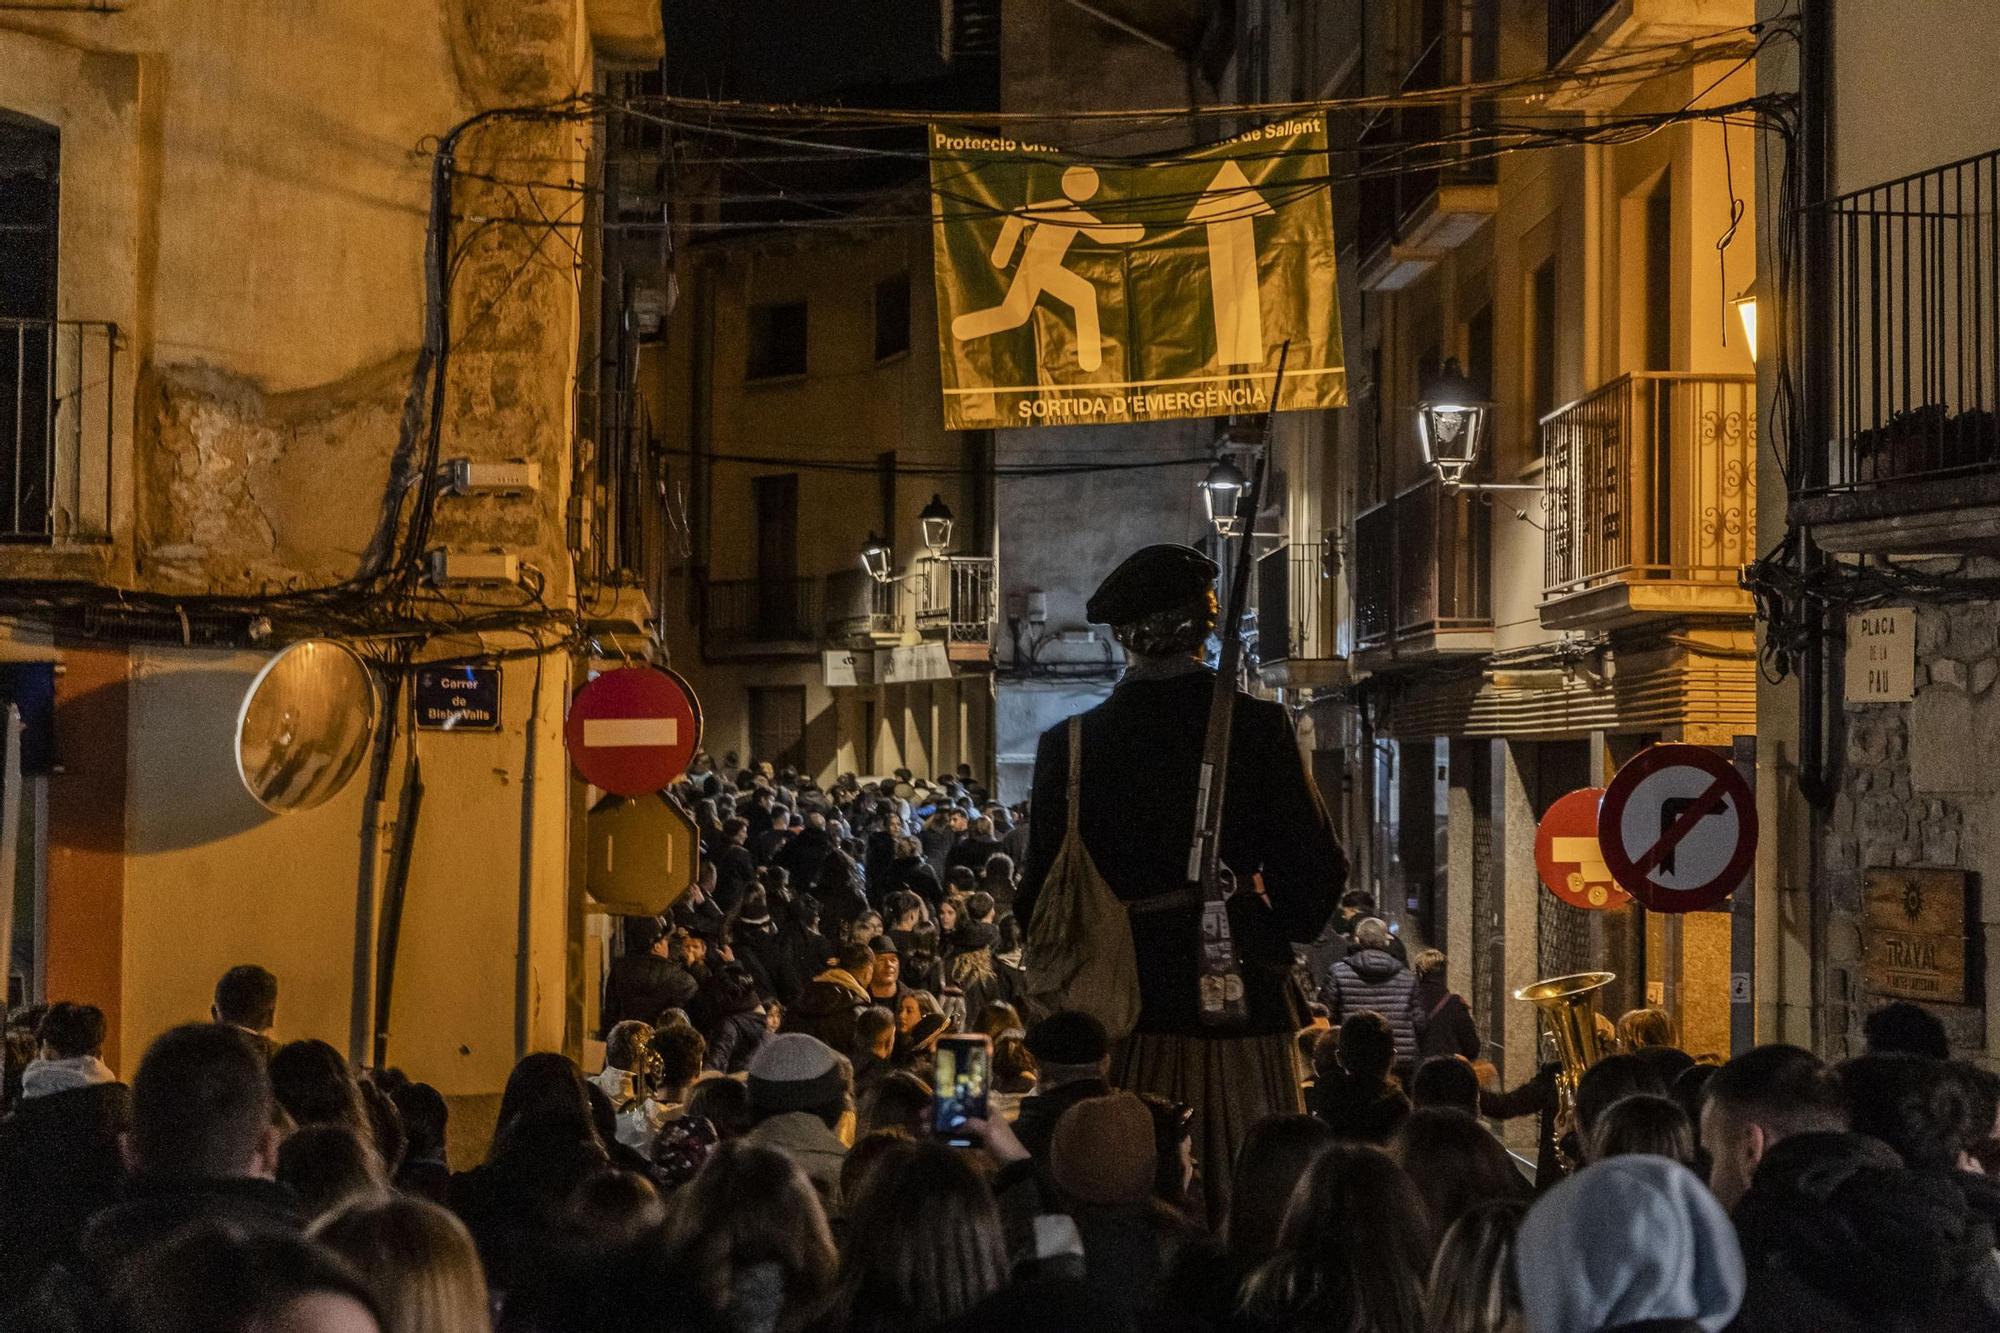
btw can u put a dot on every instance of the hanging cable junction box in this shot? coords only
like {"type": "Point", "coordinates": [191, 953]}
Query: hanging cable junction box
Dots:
{"type": "Point", "coordinates": [449, 566]}
{"type": "Point", "coordinates": [466, 476]}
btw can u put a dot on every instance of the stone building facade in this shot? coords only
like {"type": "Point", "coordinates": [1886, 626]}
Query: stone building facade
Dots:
{"type": "Point", "coordinates": [247, 205]}
{"type": "Point", "coordinates": [1918, 789]}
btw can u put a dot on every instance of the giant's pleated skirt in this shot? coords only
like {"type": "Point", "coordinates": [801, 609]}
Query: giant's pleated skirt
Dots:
{"type": "Point", "coordinates": [1231, 1082]}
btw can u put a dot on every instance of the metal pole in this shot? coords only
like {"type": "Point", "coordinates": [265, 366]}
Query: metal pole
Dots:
{"type": "Point", "coordinates": [10, 858]}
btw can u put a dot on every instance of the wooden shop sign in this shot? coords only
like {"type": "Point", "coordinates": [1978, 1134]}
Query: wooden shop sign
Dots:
{"type": "Point", "coordinates": [1915, 934]}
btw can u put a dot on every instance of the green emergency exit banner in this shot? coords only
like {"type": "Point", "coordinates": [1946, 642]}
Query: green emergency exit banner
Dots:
{"type": "Point", "coordinates": [1076, 292]}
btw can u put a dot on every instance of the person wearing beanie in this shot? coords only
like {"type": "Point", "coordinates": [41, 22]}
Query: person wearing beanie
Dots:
{"type": "Point", "coordinates": [1104, 1163]}
{"type": "Point", "coordinates": [1071, 1054]}
{"type": "Point", "coordinates": [1631, 1241]}
{"type": "Point", "coordinates": [1142, 753]}
{"type": "Point", "coordinates": [800, 1090]}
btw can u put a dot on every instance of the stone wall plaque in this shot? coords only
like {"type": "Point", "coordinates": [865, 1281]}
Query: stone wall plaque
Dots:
{"type": "Point", "coordinates": [1882, 655]}
{"type": "Point", "coordinates": [1914, 947]}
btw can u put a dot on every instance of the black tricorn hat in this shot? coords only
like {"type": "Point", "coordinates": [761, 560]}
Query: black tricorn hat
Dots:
{"type": "Point", "coordinates": [1151, 579]}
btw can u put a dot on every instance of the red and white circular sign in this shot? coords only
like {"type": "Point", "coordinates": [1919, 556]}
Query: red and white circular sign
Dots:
{"type": "Point", "coordinates": [633, 730]}
{"type": "Point", "coordinates": [1569, 858]}
{"type": "Point", "coordinates": [1678, 825]}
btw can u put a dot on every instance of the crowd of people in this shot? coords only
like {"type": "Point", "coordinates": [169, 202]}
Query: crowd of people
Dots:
{"type": "Point", "coordinates": [1293, 1127]}
{"type": "Point", "coordinates": [757, 1152]}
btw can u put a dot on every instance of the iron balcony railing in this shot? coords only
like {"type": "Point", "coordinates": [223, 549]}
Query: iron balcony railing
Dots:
{"type": "Point", "coordinates": [757, 613]}
{"type": "Point", "coordinates": [1402, 165]}
{"type": "Point", "coordinates": [860, 607]}
{"type": "Point", "coordinates": [955, 596]}
{"type": "Point", "coordinates": [58, 418]}
{"type": "Point", "coordinates": [1421, 566]}
{"type": "Point", "coordinates": [1914, 300]}
{"type": "Point", "coordinates": [1570, 21]}
{"type": "Point", "coordinates": [1652, 477]}
{"type": "Point", "coordinates": [1294, 594]}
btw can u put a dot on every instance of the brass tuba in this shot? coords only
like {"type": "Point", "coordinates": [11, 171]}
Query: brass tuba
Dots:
{"type": "Point", "coordinates": [1568, 1009]}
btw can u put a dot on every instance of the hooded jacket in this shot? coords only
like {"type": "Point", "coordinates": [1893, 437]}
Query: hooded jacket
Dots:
{"type": "Point", "coordinates": [1838, 1235]}
{"type": "Point", "coordinates": [827, 1008]}
{"type": "Point", "coordinates": [1376, 979]}
{"type": "Point", "coordinates": [1631, 1240]}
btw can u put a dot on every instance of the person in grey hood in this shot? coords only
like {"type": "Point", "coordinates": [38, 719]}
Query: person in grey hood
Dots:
{"type": "Point", "coordinates": [1632, 1243]}
{"type": "Point", "coordinates": [1373, 978]}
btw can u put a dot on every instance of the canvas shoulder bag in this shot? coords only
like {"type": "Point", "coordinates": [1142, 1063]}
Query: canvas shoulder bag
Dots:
{"type": "Point", "coordinates": [1079, 951]}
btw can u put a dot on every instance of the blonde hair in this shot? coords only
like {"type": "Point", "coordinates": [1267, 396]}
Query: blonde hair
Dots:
{"type": "Point", "coordinates": [419, 1261]}
{"type": "Point", "coordinates": [1472, 1287]}
{"type": "Point", "coordinates": [1641, 1028]}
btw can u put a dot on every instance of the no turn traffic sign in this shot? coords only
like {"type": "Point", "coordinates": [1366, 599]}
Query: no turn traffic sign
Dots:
{"type": "Point", "coordinates": [634, 730]}
{"type": "Point", "coordinates": [1679, 828]}
{"type": "Point", "coordinates": [1569, 858]}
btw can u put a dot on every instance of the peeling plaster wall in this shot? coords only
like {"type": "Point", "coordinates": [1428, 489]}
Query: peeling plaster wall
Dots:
{"type": "Point", "coordinates": [245, 192]}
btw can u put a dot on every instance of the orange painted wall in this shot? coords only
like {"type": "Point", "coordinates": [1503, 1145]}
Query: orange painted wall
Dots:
{"type": "Point", "coordinates": [86, 886]}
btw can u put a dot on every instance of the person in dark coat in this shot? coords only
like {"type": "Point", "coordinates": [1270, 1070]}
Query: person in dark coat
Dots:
{"type": "Point", "coordinates": [1374, 979]}
{"type": "Point", "coordinates": [803, 855]}
{"type": "Point", "coordinates": [1142, 754]}
{"type": "Point", "coordinates": [762, 948]}
{"type": "Point", "coordinates": [1442, 1018]}
{"type": "Point", "coordinates": [644, 982]}
{"type": "Point", "coordinates": [1071, 1054]}
{"type": "Point", "coordinates": [59, 1157]}
{"type": "Point", "coordinates": [1358, 1099]}
{"type": "Point", "coordinates": [911, 873]}
{"type": "Point", "coordinates": [833, 1000]}
{"type": "Point", "coordinates": [219, 1164]}
{"type": "Point", "coordinates": [735, 867]}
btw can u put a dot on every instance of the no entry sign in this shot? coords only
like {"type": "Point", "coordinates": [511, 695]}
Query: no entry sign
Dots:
{"type": "Point", "coordinates": [1679, 828]}
{"type": "Point", "coordinates": [1569, 858]}
{"type": "Point", "coordinates": [634, 730]}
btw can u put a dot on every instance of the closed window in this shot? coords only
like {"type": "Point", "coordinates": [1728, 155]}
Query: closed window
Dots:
{"type": "Point", "coordinates": [777, 341]}
{"type": "Point", "coordinates": [892, 316]}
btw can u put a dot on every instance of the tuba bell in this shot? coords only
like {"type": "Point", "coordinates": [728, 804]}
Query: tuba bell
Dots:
{"type": "Point", "coordinates": [1568, 1010]}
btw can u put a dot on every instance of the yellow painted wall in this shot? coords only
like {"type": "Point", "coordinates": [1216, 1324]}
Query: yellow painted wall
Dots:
{"type": "Point", "coordinates": [244, 191]}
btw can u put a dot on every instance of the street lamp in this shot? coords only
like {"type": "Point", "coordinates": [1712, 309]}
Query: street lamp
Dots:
{"type": "Point", "coordinates": [876, 557]}
{"type": "Point", "coordinates": [1746, 310]}
{"type": "Point", "coordinates": [1222, 492]}
{"type": "Point", "coordinates": [936, 518]}
{"type": "Point", "coordinates": [1451, 423]}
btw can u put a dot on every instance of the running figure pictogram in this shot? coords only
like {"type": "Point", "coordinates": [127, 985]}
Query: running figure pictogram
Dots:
{"type": "Point", "coordinates": [1056, 225]}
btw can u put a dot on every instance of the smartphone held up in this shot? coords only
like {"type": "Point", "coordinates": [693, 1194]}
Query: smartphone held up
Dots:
{"type": "Point", "coordinates": [964, 1072]}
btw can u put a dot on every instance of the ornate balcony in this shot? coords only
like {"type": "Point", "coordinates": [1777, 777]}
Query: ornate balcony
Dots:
{"type": "Point", "coordinates": [760, 618]}
{"type": "Point", "coordinates": [862, 613]}
{"type": "Point", "coordinates": [1911, 388]}
{"type": "Point", "coordinates": [1421, 566]}
{"type": "Point", "coordinates": [1601, 31]}
{"type": "Point", "coordinates": [1417, 203]}
{"type": "Point", "coordinates": [1296, 640]}
{"type": "Point", "coordinates": [1651, 499]}
{"type": "Point", "coordinates": [955, 603]}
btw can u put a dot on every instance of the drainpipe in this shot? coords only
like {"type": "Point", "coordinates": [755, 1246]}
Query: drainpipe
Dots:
{"type": "Point", "coordinates": [359, 1021]}
{"type": "Point", "coordinates": [1815, 685]}
{"type": "Point", "coordinates": [524, 915]}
